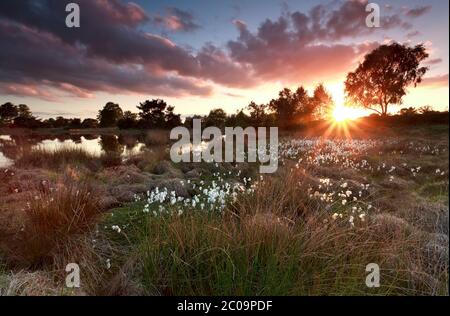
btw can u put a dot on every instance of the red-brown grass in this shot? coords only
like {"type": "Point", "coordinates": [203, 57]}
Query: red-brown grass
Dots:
{"type": "Point", "coordinates": [52, 220]}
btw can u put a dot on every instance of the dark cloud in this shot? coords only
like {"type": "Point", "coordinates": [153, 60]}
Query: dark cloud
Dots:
{"type": "Point", "coordinates": [336, 21]}
{"type": "Point", "coordinates": [107, 53]}
{"type": "Point", "coordinates": [112, 52]}
{"type": "Point", "coordinates": [177, 20]}
{"type": "Point", "coordinates": [58, 65]}
{"type": "Point", "coordinates": [418, 11]}
{"type": "Point", "coordinates": [292, 47]}
{"type": "Point", "coordinates": [413, 34]}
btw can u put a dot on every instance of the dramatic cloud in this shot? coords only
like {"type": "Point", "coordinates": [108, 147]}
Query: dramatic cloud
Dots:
{"type": "Point", "coordinates": [114, 52]}
{"type": "Point", "coordinates": [55, 64]}
{"type": "Point", "coordinates": [292, 48]}
{"type": "Point", "coordinates": [177, 20]}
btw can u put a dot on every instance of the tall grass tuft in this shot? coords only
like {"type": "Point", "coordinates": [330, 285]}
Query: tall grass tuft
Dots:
{"type": "Point", "coordinates": [60, 158]}
{"type": "Point", "coordinates": [53, 159]}
{"type": "Point", "coordinates": [53, 222]}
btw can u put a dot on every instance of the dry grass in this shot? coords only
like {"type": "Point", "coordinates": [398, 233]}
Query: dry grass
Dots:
{"type": "Point", "coordinates": [64, 156]}
{"type": "Point", "coordinates": [52, 219]}
{"type": "Point", "coordinates": [274, 242]}
{"type": "Point", "coordinates": [148, 159]}
{"type": "Point", "coordinates": [53, 159]}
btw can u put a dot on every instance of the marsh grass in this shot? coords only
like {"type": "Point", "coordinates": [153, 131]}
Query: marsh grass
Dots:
{"type": "Point", "coordinates": [53, 221]}
{"type": "Point", "coordinates": [278, 240]}
{"type": "Point", "coordinates": [148, 159]}
{"type": "Point", "coordinates": [60, 158]}
{"type": "Point", "coordinates": [274, 242]}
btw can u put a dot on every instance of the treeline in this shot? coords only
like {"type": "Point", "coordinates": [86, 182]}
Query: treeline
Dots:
{"type": "Point", "coordinates": [291, 108]}
{"type": "Point", "coordinates": [410, 116]}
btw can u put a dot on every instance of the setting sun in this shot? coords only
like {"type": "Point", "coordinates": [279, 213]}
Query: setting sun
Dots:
{"type": "Point", "coordinates": [342, 113]}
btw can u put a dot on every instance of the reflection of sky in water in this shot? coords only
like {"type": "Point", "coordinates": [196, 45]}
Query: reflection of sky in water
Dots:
{"type": "Point", "coordinates": [5, 137]}
{"type": "Point", "coordinates": [4, 162]}
{"type": "Point", "coordinates": [92, 146]}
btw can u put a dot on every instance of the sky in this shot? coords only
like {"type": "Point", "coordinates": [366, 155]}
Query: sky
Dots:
{"type": "Point", "coordinates": [200, 54]}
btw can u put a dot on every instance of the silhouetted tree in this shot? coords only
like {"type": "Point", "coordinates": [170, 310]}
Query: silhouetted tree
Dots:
{"type": "Point", "coordinates": [172, 119]}
{"type": "Point", "coordinates": [27, 122]}
{"type": "Point", "coordinates": [89, 123]}
{"type": "Point", "coordinates": [75, 123]}
{"type": "Point", "coordinates": [152, 113]}
{"type": "Point", "coordinates": [383, 76]}
{"type": "Point", "coordinates": [322, 102]}
{"type": "Point", "coordinates": [24, 111]}
{"type": "Point", "coordinates": [110, 115]}
{"type": "Point", "coordinates": [189, 120]}
{"type": "Point", "coordinates": [8, 112]}
{"type": "Point", "coordinates": [49, 123]}
{"type": "Point", "coordinates": [408, 111]}
{"type": "Point", "coordinates": [128, 121]}
{"type": "Point", "coordinates": [60, 122]}
{"type": "Point", "coordinates": [292, 108]}
{"type": "Point", "coordinates": [425, 109]}
{"type": "Point", "coordinates": [257, 113]}
{"type": "Point", "coordinates": [239, 119]}
{"type": "Point", "coordinates": [216, 117]}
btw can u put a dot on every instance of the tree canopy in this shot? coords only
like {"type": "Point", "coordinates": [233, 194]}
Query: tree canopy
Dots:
{"type": "Point", "coordinates": [382, 78]}
{"type": "Point", "coordinates": [110, 115]}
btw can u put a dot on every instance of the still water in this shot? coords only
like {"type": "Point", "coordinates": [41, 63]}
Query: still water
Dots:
{"type": "Point", "coordinates": [12, 146]}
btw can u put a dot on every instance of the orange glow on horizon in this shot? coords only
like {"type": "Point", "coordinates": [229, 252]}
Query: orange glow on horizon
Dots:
{"type": "Point", "coordinates": [343, 113]}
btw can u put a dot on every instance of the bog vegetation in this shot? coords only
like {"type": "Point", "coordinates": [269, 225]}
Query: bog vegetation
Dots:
{"type": "Point", "coordinates": [374, 190]}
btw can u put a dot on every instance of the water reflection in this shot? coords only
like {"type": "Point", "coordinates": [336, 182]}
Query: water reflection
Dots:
{"type": "Point", "coordinates": [13, 146]}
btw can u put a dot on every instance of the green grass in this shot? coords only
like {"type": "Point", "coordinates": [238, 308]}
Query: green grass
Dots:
{"type": "Point", "coordinates": [247, 251]}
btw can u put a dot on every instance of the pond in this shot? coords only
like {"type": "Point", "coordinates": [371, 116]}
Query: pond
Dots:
{"type": "Point", "coordinates": [12, 146]}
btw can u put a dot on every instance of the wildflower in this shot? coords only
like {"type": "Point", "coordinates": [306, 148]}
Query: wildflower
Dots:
{"type": "Point", "coordinates": [351, 221]}
{"type": "Point", "coordinates": [116, 228]}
